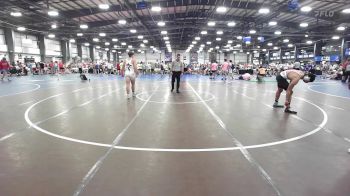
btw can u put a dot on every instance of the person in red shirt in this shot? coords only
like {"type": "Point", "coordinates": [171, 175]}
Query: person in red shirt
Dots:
{"type": "Point", "coordinates": [4, 68]}
{"type": "Point", "coordinates": [61, 67]}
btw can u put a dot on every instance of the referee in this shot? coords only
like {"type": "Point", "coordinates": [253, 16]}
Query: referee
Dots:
{"type": "Point", "coordinates": [177, 67]}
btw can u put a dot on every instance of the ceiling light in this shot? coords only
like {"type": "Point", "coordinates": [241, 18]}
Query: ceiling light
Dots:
{"type": "Point", "coordinates": [98, 47]}
{"type": "Point", "coordinates": [145, 41]}
{"type": "Point", "coordinates": [87, 44]}
{"type": "Point", "coordinates": [166, 38]}
{"type": "Point", "coordinates": [122, 22]}
{"type": "Point", "coordinates": [306, 35]}
{"type": "Point", "coordinates": [79, 34]}
{"type": "Point", "coordinates": [335, 37]}
{"type": "Point", "coordinates": [197, 38]}
{"type": "Point", "coordinates": [231, 24]}
{"type": "Point", "coordinates": [204, 32]}
{"type": "Point", "coordinates": [306, 9]}
{"type": "Point", "coordinates": [309, 42]}
{"type": "Point", "coordinates": [161, 23]}
{"type": "Point", "coordinates": [142, 45]}
{"type": "Point", "coordinates": [103, 6]}
{"type": "Point", "coordinates": [140, 37]}
{"type": "Point", "coordinates": [163, 32]}
{"type": "Point", "coordinates": [114, 40]}
{"type": "Point", "coordinates": [230, 41]}
{"type": "Point", "coordinates": [52, 13]}
{"type": "Point", "coordinates": [202, 45]}
{"type": "Point", "coordinates": [290, 45]}
{"type": "Point", "coordinates": [278, 32]}
{"type": "Point", "coordinates": [264, 11]}
{"type": "Point", "coordinates": [238, 45]}
{"type": "Point", "coordinates": [129, 46]}
{"type": "Point", "coordinates": [341, 28]}
{"type": "Point", "coordinates": [252, 31]}
{"type": "Point", "coordinates": [72, 40]}
{"type": "Point", "coordinates": [272, 23]}
{"type": "Point", "coordinates": [211, 24]}
{"type": "Point", "coordinates": [286, 40]}
{"type": "Point", "coordinates": [194, 42]}
{"type": "Point", "coordinates": [270, 44]}
{"type": "Point", "coordinates": [264, 50]}
{"type": "Point", "coordinates": [275, 48]}
{"type": "Point", "coordinates": [123, 43]}
{"type": "Point", "coordinates": [133, 31]}
{"type": "Point", "coordinates": [114, 51]}
{"type": "Point", "coordinates": [208, 43]}
{"type": "Point", "coordinates": [156, 8]}
{"type": "Point", "coordinates": [218, 39]}
{"type": "Point", "coordinates": [221, 9]}
{"type": "Point", "coordinates": [219, 32]}
{"type": "Point", "coordinates": [21, 28]}
{"type": "Point", "coordinates": [304, 24]}
{"type": "Point", "coordinates": [217, 47]}
{"type": "Point", "coordinates": [106, 49]}
{"type": "Point", "coordinates": [51, 35]}
{"type": "Point", "coordinates": [102, 34]}
{"type": "Point", "coordinates": [107, 44]}
{"type": "Point", "coordinates": [84, 26]}
{"type": "Point", "coordinates": [95, 39]}
{"type": "Point", "coordinates": [54, 26]}
{"type": "Point", "coordinates": [16, 14]}
{"type": "Point", "coordinates": [346, 11]}
{"type": "Point", "coordinates": [167, 42]}
{"type": "Point", "coordinates": [239, 37]}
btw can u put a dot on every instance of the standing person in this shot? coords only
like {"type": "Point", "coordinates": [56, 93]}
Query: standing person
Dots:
{"type": "Point", "coordinates": [224, 68]}
{"type": "Point", "coordinates": [4, 68]}
{"type": "Point", "coordinates": [61, 67]}
{"type": "Point", "coordinates": [293, 76]}
{"type": "Point", "coordinates": [162, 70]}
{"type": "Point", "coordinates": [41, 69]}
{"type": "Point", "coordinates": [130, 71]}
{"type": "Point", "coordinates": [213, 69]}
{"type": "Point", "coordinates": [177, 67]}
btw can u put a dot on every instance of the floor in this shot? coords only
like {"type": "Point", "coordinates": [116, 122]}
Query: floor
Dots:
{"type": "Point", "coordinates": [62, 136]}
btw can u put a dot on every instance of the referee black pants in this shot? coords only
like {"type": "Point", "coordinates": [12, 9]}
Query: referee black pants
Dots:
{"type": "Point", "coordinates": [176, 74]}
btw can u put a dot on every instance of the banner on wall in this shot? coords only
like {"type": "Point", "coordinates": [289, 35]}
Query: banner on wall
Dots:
{"type": "Point", "coordinates": [168, 57]}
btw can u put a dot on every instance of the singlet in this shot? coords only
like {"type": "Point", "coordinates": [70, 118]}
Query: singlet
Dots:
{"type": "Point", "coordinates": [129, 68]}
{"type": "Point", "coordinates": [214, 66]}
{"type": "Point", "coordinates": [284, 74]}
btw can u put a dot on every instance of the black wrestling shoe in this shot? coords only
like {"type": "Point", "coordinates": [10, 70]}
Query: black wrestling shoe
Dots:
{"type": "Point", "coordinates": [290, 111]}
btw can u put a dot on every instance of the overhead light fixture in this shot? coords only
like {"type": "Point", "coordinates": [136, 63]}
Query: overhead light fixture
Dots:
{"type": "Point", "coordinates": [133, 31]}
{"type": "Point", "coordinates": [123, 22]}
{"type": "Point", "coordinates": [275, 48]}
{"type": "Point", "coordinates": [115, 46]}
{"type": "Point", "coordinates": [114, 51]}
{"type": "Point", "coordinates": [140, 37]}
{"type": "Point", "coordinates": [145, 41]}
{"type": "Point", "coordinates": [218, 39]}
{"type": "Point", "coordinates": [197, 38]}
{"type": "Point", "coordinates": [107, 43]}
{"type": "Point", "coordinates": [252, 31]}
{"type": "Point", "coordinates": [84, 26]}
{"type": "Point", "coordinates": [194, 42]}
{"type": "Point", "coordinates": [102, 34]}
{"type": "Point", "coordinates": [231, 24]}
{"type": "Point", "coordinates": [166, 38]}
{"type": "Point", "coordinates": [211, 23]}
{"type": "Point", "coordinates": [346, 11]}
{"type": "Point", "coordinates": [156, 8]}
{"type": "Point", "coordinates": [53, 26]}
{"type": "Point", "coordinates": [208, 43]}
{"type": "Point", "coordinates": [306, 9]}
{"type": "Point", "coordinates": [238, 45]}
{"type": "Point", "coordinates": [142, 45]}
{"type": "Point", "coordinates": [129, 46]}
{"type": "Point", "coordinates": [230, 41]}
{"type": "Point", "coordinates": [21, 28]}
{"type": "Point", "coordinates": [286, 40]}
{"type": "Point", "coordinates": [72, 40]}
{"type": "Point", "coordinates": [341, 28]}
{"type": "Point", "coordinates": [219, 32]}
{"type": "Point", "coordinates": [52, 13]}
{"type": "Point", "coordinates": [114, 40]}
{"type": "Point", "coordinates": [87, 44]}
{"type": "Point", "coordinates": [95, 39]}
{"type": "Point", "coordinates": [163, 32]}
{"type": "Point", "coordinates": [106, 49]}
{"type": "Point", "coordinates": [217, 47]}
{"type": "Point", "coordinates": [272, 23]}
{"type": "Point", "coordinates": [290, 45]}
{"type": "Point", "coordinates": [239, 37]}
{"type": "Point", "coordinates": [167, 42]}
{"type": "Point", "coordinates": [51, 36]}
{"type": "Point", "coordinates": [270, 44]}
{"type": "Point", "coordinates": [309, 42]}
{"type": "Point", "coordinates": [161, 23]}
{"type": "Point", "coordinates": [98, 47]}
{"type": "Point", "coordinates": [221, 9]}
{"type": "Point", "coordinates": [103, 6]}
{"type": "Point", "coordinates": [306, 35]}
{"type": "Point", "coordinates": [335, 37]}
{"type": "Point", "coordinates": [278, 32]}
{"type": "Point", "coordinates": [202, 45]}
{"type": "Point", "coordinates": [16, 14]}
{"type": "Point", "coordinates": [264, 10]}
{"type": "Point", "coordinates": [304, 24]}
{"type": "Point", "coordinates": [79, 34]}
{"type": "Point", "coordinates": [123, 44]}
{"type": "Point", "coordinates": [204, 32]}
{"type": "Point", "coordinates": [264, 50]}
